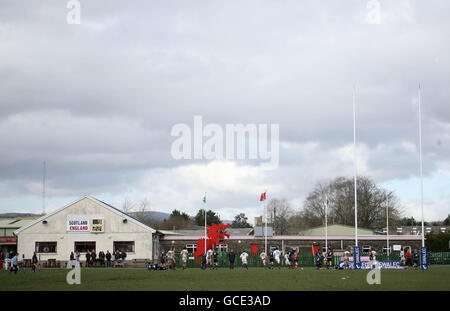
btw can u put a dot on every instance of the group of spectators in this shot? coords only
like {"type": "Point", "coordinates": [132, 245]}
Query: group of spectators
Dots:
{"type": "Point", "coordinates": [102, 259]}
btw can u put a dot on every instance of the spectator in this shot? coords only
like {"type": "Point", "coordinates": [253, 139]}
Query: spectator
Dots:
{"type": "Point", "coordinates": [408, 258]}
{"type": "Point", "coordinates": [93, 257]}
{"type": "Point", "coordinates": [77, 259]}
{"type": "Point", "coordinates": [116, 257]}
{"type": "Point", "coordinates": [108, 259]}
{"type": "Point", "coordinates": [72, 260]}
{"type": "Point", "coordinates": [88, 258]}
{"type": "Point", "coordinates": [34, 262]}
{"type": "Point", "coordinates": [123, 256]}
{"type": "Point", "coordinates": [101, 258]}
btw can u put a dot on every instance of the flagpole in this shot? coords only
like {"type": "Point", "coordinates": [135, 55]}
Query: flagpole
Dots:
{"type": "Point", "coordinates": [326, 223]}
{"type": "Point", "coordinates": [420, 159]}
{"type": "Point", "coordinates": [265, 233]}
{"type": "Point", "coordinates": [355, 169]}
{"type": "Point", "coordinates": [204, 200]}
{"type": "Point", "coordinates": [387, 227]}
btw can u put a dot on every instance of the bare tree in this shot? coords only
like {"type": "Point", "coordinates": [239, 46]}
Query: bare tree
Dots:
{"type": "Point", "coordinates": [279, 213]}
{"type": "Point", "coordinates": [143, 208]}
{"type": "Point", "coordinates": [127, 206]}
{"type": "Point", "coordinates": [372, 202]}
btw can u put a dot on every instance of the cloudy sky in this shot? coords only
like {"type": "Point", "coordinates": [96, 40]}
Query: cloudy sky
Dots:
{"type": "Point", "coordinates": [97, 100]}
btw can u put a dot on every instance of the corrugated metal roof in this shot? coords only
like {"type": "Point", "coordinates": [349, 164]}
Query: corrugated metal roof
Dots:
{"type": "Point", "coordinates": [14, 223]}
{"type": "Point", "coordinates": [336, 230]}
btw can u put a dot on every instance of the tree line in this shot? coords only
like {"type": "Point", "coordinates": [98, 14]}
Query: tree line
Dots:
{"type": "Point", "coordinates": [375, 205]}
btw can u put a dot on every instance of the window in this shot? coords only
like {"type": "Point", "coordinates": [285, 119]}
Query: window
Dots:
{"type": "Point", "coordinates": [191, 248]}
{"type": "Point", "coordinates": [366, 248]}
{"type": "Point", "coordinates": [387, 250]}
{"type": "Point", "coordinates": [84, 246]}
{"type": "Point", "coordinates": [127, 247]}
{"type": "Point", "coordinates": [223, 248]}
{"type": "Point", "coordinates": [45, 247]}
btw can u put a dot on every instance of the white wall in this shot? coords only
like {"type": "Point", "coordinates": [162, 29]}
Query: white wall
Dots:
{"type": "Point", "coordinates": [56, 231]}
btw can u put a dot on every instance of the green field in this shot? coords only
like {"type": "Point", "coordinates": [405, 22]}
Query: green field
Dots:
{"type": "Point", "coordinates": [239, 279]}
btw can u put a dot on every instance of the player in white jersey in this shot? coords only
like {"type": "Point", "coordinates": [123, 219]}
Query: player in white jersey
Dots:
{"type": "Point", "coordinates": [171, 258]}
{"type": "Point", "coordinates": [346, 260]}
{"type": "Point", "coordinates": [263, 257]}
{"type": "Point", "coordinates": [277, 254]}
{"type": "Point", "coordinates": [209, 258]}
{"type": "Point", "coordinates": [184, 257]}
{"type": "Point", "coordinates": [373, 258]}
{"type": "Point", "coordinates": [286, 260]}
{"type": "Point", "coordinates": [402, 258]}
{"type": "Point", "coordinates": [244, 257]}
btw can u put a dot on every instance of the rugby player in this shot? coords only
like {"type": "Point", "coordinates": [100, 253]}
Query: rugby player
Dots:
{"type": "Point", "coordinates": [215, 255]}
{"type": "Point", "coordinates": [319, 259]}
{"type": "Point", "coordinates": [416, 258]}
{"type": "Point", "coordinates": [244, 257]}
{"type": "Point", "coordinates": [372, 258]}
{"type": "Point", "coordinates": [271, 258]}
{"type": "Point", "coordinates": [184, 257]}
{"type": "Point", "coordinates": [346, 260]}
{"type": "Point", "coordinates": [329, 258]}
{"type": "Point", "coordinates": [277, 254]}
{"type": "Point", "coordinates": [286, 260]}
{"type": "Point", "coordinates": [263, 257]}
{"type": "Point", "coordinates": [209, 258]}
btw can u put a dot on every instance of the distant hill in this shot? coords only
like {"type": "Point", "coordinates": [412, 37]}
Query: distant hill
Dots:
{"type": "Point", "coordinates": [16, 215]}
{"type": "Point", "coordinates": [159, 216]}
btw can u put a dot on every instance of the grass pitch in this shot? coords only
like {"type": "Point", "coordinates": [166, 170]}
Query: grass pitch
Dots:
{"type": "Point", "coordinates": [223, 279]}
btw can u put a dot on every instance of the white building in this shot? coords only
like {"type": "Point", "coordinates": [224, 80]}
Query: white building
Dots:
{"type": "Point", "coordinates": [86, 224]}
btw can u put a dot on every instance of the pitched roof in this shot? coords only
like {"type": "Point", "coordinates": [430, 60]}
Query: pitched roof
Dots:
{"type": "Point", "coordinates": [105, 205]}
{"type": "Point", "coordinates": [13, 223]}
{"type": "Point", "coordinates": [336, 230]}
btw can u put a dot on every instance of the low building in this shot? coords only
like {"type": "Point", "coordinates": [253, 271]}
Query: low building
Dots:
{"type": "Point", "coordinates": [8, 241]}
{"type": "Point", "coordinates": [86, 224]}
{"type": "Point", "coordinates": [339, 238]}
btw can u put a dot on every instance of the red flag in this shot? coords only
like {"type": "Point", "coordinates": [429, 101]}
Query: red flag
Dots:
{"type": "Point", "coordinates": [263, 196]}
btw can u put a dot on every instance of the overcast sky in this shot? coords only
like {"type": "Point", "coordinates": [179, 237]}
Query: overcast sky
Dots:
{"type": "Point", "coordinates": [97, 100]}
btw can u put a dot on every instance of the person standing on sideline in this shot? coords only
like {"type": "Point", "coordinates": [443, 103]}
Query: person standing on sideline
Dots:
{"type": "Point", "coordinates": [72, 260]}
{"type": "Point", "coordinates": [108, 259]}
{"type": "Point", "coordinates": [34, 262]}
{"type": "Point", "coordinates": [93, 257]}
{"type": "Point", "coordinates": [14, 264]}
{"type": "Point", "coordinates": [88, 258]}
{"type": "Point", "coordinates": [232, 257]}
{"type": "Point", "coordinates": [77, 259]}
{"type": "Point", "coordinates": [123, 255]}
{"type": "Point", "coordinates": [408, 258]}
{"type": "Point", "coordinates": [244, 257]}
